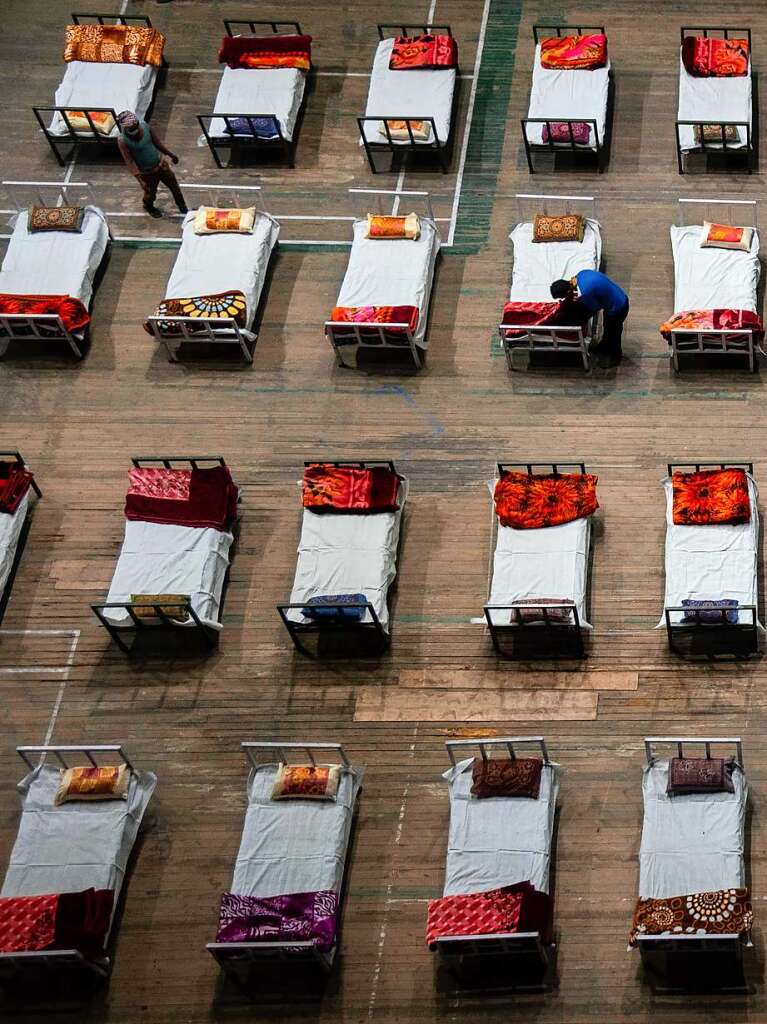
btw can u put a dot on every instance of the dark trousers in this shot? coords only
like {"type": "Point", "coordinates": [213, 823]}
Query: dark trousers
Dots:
{"type": "Point", "coordinates": [150, 180]}
{"type": "Point", "coordinates": [612, 332]}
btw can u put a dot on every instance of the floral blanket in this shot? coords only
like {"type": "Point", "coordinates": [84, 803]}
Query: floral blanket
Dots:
{"type": "Point", "coordinates": [329, 488]}
{"type": "Point", "coordinates": [425, 52]}
{"type": "Point", "coordinates": [710, 497]}
{"type": "Point", "coordinates": [714, 319]}
{"type": "Point", "coordinates": [114, 44]}
{"type": "Point", "coordinates": [512, 908]}
{"type": "Point", "coordinates": [715, 58]}
{"type": "Point", "coordinates": [726, 912]}
{"type": "Point", "coordinates": [275, 51]}
{"type": "Point", "coordinates": [198, 497]}
{"type": "Point", "coordinates": [74, 920]}
{"type": "Point", "coordinates": [574, 53]}
{"type": "Point", "coordinates": [73, 313]}
{"type": "Point", "coordinates": [376, 315]}
{"type": "Point", "coordinates": [221, 306]}
{"type": "Point", "coordinates": [527, 501]}
{"type": "Point", "coordinates": [299, 916]}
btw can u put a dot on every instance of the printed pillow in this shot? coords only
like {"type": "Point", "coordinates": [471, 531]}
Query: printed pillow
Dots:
{"type": "Point", "coordinates": [710, 615]}
{"type": "Point", "coordinates": [713, 133]}
{"type": "Point", "coordinates": [506, 776]}
{"type": "Point", "coordinates": [93, 784]}
{"type": "Point", "coordinates": [166, 601]}
{"type": "Point", "coordinates": [569, 228]}
{"type": "Point", "coordinates": [699, 775]}
{"type": "Point", "coordinates": [55, 218]}
{"type": "Point", "coordinates": [210, 221]}
{"type": "Point", "coordinates": [398, 129]}
{"type": "Point", "coordinates": [393, 227]}
{"type": "Point", "coordinates": [722, 236]}
{"type": "Point", "coordinates": [535, 614]}
{"type": "Point", "coordinates": [560, 132]}
{"type": "Point", "coordinates": [711, 497]}
{"type": "Point", "coordinates": [306, 782]}
{"type": "Point", "coordinates": [354, 614]}
{"type": "Point", "coordinates": [253, 127]}
{"type": "Point", "coordinates": [101, 120]}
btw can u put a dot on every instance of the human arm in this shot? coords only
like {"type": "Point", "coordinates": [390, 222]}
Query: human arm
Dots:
{"type": "Point", "coordinates": [161, 145]}
{"type": "Point", "coordinates": [130, 163]}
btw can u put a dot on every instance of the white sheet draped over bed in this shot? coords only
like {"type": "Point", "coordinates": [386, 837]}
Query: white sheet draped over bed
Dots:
{"type": "Point", "coordinates": [713, 278]}
{"type": "Point", "coordinates": [87, 85]}
{"type": "Point", "coordinates": [277, 91]}
{"type": "Point", "coordinates": [712, 100]}
{"type": "Point", "coordinates": [537, 264]}
{"type": "Point", "coordinates": [569, 95]}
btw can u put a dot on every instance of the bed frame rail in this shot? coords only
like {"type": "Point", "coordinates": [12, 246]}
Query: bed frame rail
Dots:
{"type": "Point", "coordinates": [411, 144]}
{"type": "Point", "coordinates": [560, 339]}
{"type": "Point", "coordinates": [386, 29]}
{"type": "Point", "coordinates": [570, 145]}
{"type": "Point", "coordinates": [680, 741]}
{"type": "Point", "coordinates": [508, 743]}
{"type": "Point", "coordinates": [94, 753]}
{"type": "Point", "coordinates": [530, 467]}
{"type": "Point", "coordinates": [81, 18]}
{"type": "Point", "coordinates": [236, 958]}
{"type": "Point", "coordinates": [714, 342]}
{"type": "Point", "coordinates": [174, 331]}
{"type": "Point", "coordinates": [231, 141]}
{"type": "Point", "coordinates": [541, 31]}
{"type": "Point", "coordinates": [309, 750]}
{"type": "Point", "coordinates": [727, 31]}
{"type": "Point", "coordinates": [293, 26]}
{"type": "Point", "coordinates": [398, 336]}
{"type": "Point", "coordinates": [73, 136]}
{"type": "Point", "coordinates": [733, 206]}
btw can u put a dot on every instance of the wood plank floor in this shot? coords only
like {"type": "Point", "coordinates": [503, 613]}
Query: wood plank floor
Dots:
{"type": "Point", "coordinates": [79, 424]}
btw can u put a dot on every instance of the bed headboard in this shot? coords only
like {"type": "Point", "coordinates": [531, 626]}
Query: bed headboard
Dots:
{"type": "Point", "coordinates": [543, 31]}
{"type": "Point", "coordinates": [733, 212]}
{"type": "Point", "coordinates": [727, 31]}
{"type": "Point", "coordinates": [391, 202]}
{"type": "Point", "coordinates": [548, 467]}
{"type": "Point", "coordinates": [698, 466]}
{"type": "Point", "coordinates": [168, 460]}
{"type": "Point", "coordinates": [277, 27]}
{"type": "Point", "coordinates": [486, 745]}
{"type": "Point", "coordinates": [225, 196]}
{"type": "Point", "coordinates": [404, 28]}
{"type": "Point", "coordinates": [95, 754]}
{"type": "Point", "coordinates": [331, 752]}
{"type": "Point", "coordinates": [353, 464]}
{"type": "Point", "coordinates": [81, 18]}
{"type": "Point", "coordinates": [22, 194]}
{"type": "Point", "coordinates": [529, 204]}
{"type": "Point", "coordinates": [680, 741]}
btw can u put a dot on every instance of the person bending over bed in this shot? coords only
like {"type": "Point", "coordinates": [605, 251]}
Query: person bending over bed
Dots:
{"type": "Point", "coordinates": [144, 154]}
{"type": "Point", "coordinates": [593, 291]}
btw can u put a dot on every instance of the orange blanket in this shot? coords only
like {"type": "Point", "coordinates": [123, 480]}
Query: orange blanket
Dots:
{"type": "Point", "coordinates": [114, 44]}
{"type": "Point", "coordinates": [73, 313]}
{"type": "Point", "coordinates": [714, 319]}
{"type": "Point", "coordinates": [530, 501]}
{"type": "Point", "coordinates": [434, 52]}
{"type": "Point", "coordinates": [574, 53]}
{"type": "Point", "coordinates": [726, 912]}
{"type": "Point", "coordinates": [328, 488]}
{"type": "Point", "coordinates": [715, 58]}
{"type": "Point", "coordinates": [710, 497]}
{"type": "Point", "coordinates": [378, 315]}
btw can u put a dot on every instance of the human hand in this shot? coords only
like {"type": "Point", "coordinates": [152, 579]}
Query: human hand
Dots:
{"type": "Point", "coordinates": [174, 158]}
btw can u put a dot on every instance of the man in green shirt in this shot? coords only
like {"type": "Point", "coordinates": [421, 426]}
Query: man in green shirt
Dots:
{"type": "Point", "coordinates": [144, 153]}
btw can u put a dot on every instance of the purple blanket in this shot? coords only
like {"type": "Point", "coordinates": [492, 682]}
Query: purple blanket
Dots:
{"type": "Point", "coordinates": [299, 916]}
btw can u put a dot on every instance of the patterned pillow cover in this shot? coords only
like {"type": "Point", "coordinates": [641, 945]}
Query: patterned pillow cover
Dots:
{"type": "Point", "coordinates": [506, 777]}
{"type": "Point", "coordinates": [393, 227]}
{"type": "Point", "coordinates": [172, 605]}
{"type": "Point", "coordinates": [306, 782]}
{"type": "Point", "coordinates": [209, 220]}
{"type": "Point", "coordinates": [568, 228]}
{"type": "Point", "coordinates": [93, 783]}
{"type": "Point", "coordinates": [711, 614]}
{"type": "Point", "coordinates": [699, 775]}
{"type": "Point", "coordinates": [55, 218]}
{"type": "Point", "coordinates": [311, 611]}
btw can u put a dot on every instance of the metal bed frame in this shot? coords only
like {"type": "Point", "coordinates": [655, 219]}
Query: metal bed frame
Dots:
{"type": "Point", "coordinates": [571, 146]}
{"type": "Point", "coordinates": [737, 639]}
{"type": "Point", "coordinates": [515, 945]}
{"type": "Point", "coordinates": [13, 965]}
{"type": "Point", "coordinates": [337, 625]}
{"type": "Point", "coordinates": [252, 141]}
{"type": "Point", "coordinates": [560, 639]}
{"type": "Point", "coordinates": [342, 334]}
{"type": "Point", "coordinates": [15, 456]}
{"type": "Point", "coordinates": [235, 958]}
{"type": "Point", "coordinates": [731, 150]}
{"type": "Point", "coordinates": [77, 136]}
{"type": "Point", "coordinates": [567, 340]}
{"type": "Point", "coordinates": [399, 147]}
{"type": "Point", "coordinates": [681, 943]}
{"type": "Point", "coordinates": [711, 341]}
{"type": "Point", "coordinates": [218, 331]}
{"type": "Point", "coordinates": [140, 625]}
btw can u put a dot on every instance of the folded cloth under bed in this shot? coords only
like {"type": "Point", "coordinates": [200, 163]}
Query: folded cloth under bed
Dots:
{"type": "Point", "coordinates": [277, 91]}
{"type": "Point", "coordinates": [711, 277]}
{"type": "Point", "coordinates": [568, 95]}
{"type": "Point", "coordinates": [711, 563]}
{"type": "Point", "coordinates": [392, 271]}
{"type": "Point", "coordinates": [10, 532]}
{"type": "Point", "coordinates": [400, 94]}
{"type": "Point", "coordinates": [691, 843]}
{"type": "Point", "coordinates": [537, 264]}
{"type": "Point", "coordinates": [55, 262]}
{"type": "Point", "coordinates": [89, 85]}
{"type": "Point", "coordinates": [713, 100]}
{"type": "Point", "coordinates": [499, 841]}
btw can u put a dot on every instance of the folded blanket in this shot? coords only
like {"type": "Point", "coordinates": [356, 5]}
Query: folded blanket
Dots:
{"type": "Point", "coordinates": [329, 488]}
{"type": "Point", "coordinates": [710, 497]}
{"type": "Point", "coordinates": [574, 53]}
{"type": "Point", "coordinates": [14, 484]}
{"type": "Point", "coordinates": [714, 319]}
{"type": "Point", "coordinates": [221, 306]}
{"type": "Point", "coordinates": [544, 314]}
{"type": "Point", "coordinates": [509, 909]}
{"type": "Point", "coordinates": [578, 132]}
{"type": "Point", "coordinates": [376, 315]}
{"type": "Point", "coordinates": [114, 44]}
{"type": "Point", "coordinates": [275, 51]}
{"type": "Point", "coordinates": [528, 501]}
{"type": "Point", "coordinates": [254, 127]}
{"type": "Point", "coordinates": [73, 920]}
{"type": "Point", "coordinates": [715, 58]}
{"type": "Point", "coordinates": [424, 52]}
{"type": "Point", "coordinates": [725, 912]}
{"type": "Point", "coordinates": [73, 313]}
{"type": "Point", "coordinates": [200, 497]}
{"type": "Point", "coordinates": [299, 917]}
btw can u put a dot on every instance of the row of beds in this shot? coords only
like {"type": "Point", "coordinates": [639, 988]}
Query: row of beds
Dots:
{"type": "Point", "coordinates": [690, 844]}
{"type": "Point", "coordinates": [357, 554]}
{"type": "Point", "coordinates": [384, 272]}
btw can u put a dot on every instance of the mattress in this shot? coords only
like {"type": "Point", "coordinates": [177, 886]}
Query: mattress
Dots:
{"type": "Point", "coordinates": [392, 272]}
{"type": "Point", "coordinates": [277, 91]}
{"type": "Point", "coordinates": [398, 94]}
{"type": "Point", "coordinates": [10, 532]}
{"type": "Point", "coordinates": [160, 558]}
{"type": "Point", "coordinates": [537, 264]}
{"type": "Point", "coordinates": [75, 846]}
{"type": "Point", "coordinates": [348, 554]}
{"type": "Point", "coordinates": [710, 100]}
{"type": "Point", "coordinates": [568, 95]}
{"type": "Point", "coordinates": [500, 840]}
{"type": "Point", "coordinates": [223, 262]}
{"type": "Point", "coordinates": [713, 278]}
{"type": "Point", "coordinates": [690, 843]}
{"type": "Point", "coordinates": [291, 846]}
{"type": "Point", "coordinates": [88, 85]}
{"type": "Point", "coordinates": [55, 262]}
{"type": "Point", "coordinates": [711, 562]}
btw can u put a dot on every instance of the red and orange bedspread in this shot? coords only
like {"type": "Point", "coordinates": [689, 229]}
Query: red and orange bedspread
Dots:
{"type": "Point", "coordinates": [716, 320]}
{"type": "Point", "coordinates": [707, 57]}
{"type": "Point", "coordinates": [72, 920]}
{"type": "Point", "coordinates": [528, 501]}
{"type": "Point", "coordinates": [725, 912]}
{"type": "Point", "coordinates": [403, 315]}
{"type": "Point", "coordinates": [574, 53]}
{"type": "Point", "coordinates": [423, 53]}
{"type": "Point", "coordinates": [198, 497]}
{"type": "Point", "coordinates": [73, 313]}
{"type": "Point", "coordinates": [710, 497]}
{"type": "Point", "coordinates": [276, 51]}
{"type": "Point", "coordinates": [543, 314]}
{"type": "Point", "coordinates": [328, 488]}
{"type": "Point", "coordinates": [506, 910]}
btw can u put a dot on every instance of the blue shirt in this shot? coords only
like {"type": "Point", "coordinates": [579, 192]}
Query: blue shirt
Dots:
{"type": "Point", "coordinates": [599, 292]}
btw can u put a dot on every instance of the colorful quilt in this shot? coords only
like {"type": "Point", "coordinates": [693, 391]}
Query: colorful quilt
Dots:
{"type": "Point", "coordinates": [710, 497]}
{"type": "Point", "coordinates": [424, 52]}
{"type": "Point", "coordinates": [376, 315]}
{"type": "Point", "coordinates": [221, 306]}
{"type": "Point", "coordinates": [715, 58]}
{"type": "Point", "coordinates": [75, 920]}
{"type": "Point", "coordinates": [73, 313]}
{"type": "Point", "coordinates": [15, 481]}
{"type": "Point", "coordinates": [201, 498]}
{"type": "Point", "coordinates": [544, 314]}
{"type": "Point", "coordinates": [509, 909]}
{"type": "Point", "coordinates": [726, 912]}
{"type": "Point", "coordinates": [527, 501]}
{"type": "Point", "coordinates": [275, 51]}
{"type": "Point", "coordinates": [297, 916]}
{"type": "Point", "coordinates": [114, 44]}
{"type": "Point", "coordinates": [578, 132]}
{"type": "Point", "coordinates": [328, 488]}
{"type": "Point", "coordinates": [574, 53]}
{"type": "Point", "coordinates": [714, 319]}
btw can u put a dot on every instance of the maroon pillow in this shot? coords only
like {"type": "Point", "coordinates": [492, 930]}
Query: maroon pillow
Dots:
{"type": "Point", "coordinates": [506, 776]}
{"type": "Point", "coordinates": [532, 610]}
{"type": "Point", "coordinates": [699, 775]}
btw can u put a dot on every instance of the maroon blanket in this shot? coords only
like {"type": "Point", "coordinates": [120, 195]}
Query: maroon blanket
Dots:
{"type": "Point", "coordinates": [714, 319]}
{"type": "Point", "coordinates": [544, 314]}
{"type": "Point", "coordinates": [72, 920]}
{"type": "Point", "coordinates": [202, 498]}
{"type": "Point", "coordinates": [299, 916]}
{"type": "Point", "coordinates": [510, 909]}
{"type": "Point", "coordinates": [14, 484]}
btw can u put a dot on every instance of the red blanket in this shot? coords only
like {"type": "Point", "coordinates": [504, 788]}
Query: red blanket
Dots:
{"type": "Point", "coordinates": [345, 489]}
{"type": "Point", "coordinates": [544, 314]}
{"type": "Point", "coordinates": [73, 920]}
{"type": "Point", "coordinates": [73, 313]}
{"type": "Point", "coordinates": [710, 497]}
{"type": "Point", "coordinates": [512, 908]}
{"type": "Point", "coordinates": [527, 501]}
{"type": "Point", "coordinates": [715, 58]}
{"type": "Point", "coordinates": [726, 912]}
{"type": "Point", "coordinates": [574, 53]}
{"type": "Point", "coordinates": [377, 315]}
{"type": "Point", "coordinates": [14, 484]}
{"type": "Point", "coordinates": [201, 498]}
{"type": "Point", "coordinates": [423, 52]}
{"type": "Point", "coordinates": [276, 51]}
{"type": "Point", "coordinates": [714, 319]}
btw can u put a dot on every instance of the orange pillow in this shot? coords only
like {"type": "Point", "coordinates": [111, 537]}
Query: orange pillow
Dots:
{"type": "Point", "coordinates": [531, 502]}
{"type": "Point", "coordinates": [393, 227]}
{"type": "Point", "coordinates": [710, 497]}
{"type": "Point", "coordinates": [306, 782]}
{"type": "Point", "coordinates": [209, 220]}
{"type": "Point", "coordinates": [722, 236]}
{"type": "Point", "coordinates": [93, 784]}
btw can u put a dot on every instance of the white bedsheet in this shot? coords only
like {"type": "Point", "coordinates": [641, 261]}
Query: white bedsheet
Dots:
{"type": "Point", "coordinates": [398, 94]}
{"type": "Point", "coordinates": [10, 531]}
{"type": "Point", "coordinates": [712, 100]}
{"type": "Point", "coordinates": [348, 554]}
{"type": "Point", "coordinates": [87, 85]}
{"type": "Point", "coordinates": [161, 558]}
{"type": "Point", "coordinates": [711, 562]}
{"type": "Point", "coordinates": [277, 91]}
{"type": "Point", "coordinates": [500, 840]}
{"type": "Point", "coordinates": [222, 262]}
{"type": "Point", "coordinates": [392, 272]}
{"type": "Point", "coordinates": [291, 846]}
{"type": "Point", "coordinates": [55, 262]}
{"type": "Point", "coordinates": [713, 278]}
{"type": "Point", "coordinates": [537, 264]}
{"type": "Point", "coordinates": [690, 843]}
{"type": "Point", "coordinates": [568, 95]}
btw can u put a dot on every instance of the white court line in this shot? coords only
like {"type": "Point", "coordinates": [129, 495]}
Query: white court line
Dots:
{"type": "Point", "coordinates": [319, 74]}
{"type": "Point", "coordinates": [62, 687]}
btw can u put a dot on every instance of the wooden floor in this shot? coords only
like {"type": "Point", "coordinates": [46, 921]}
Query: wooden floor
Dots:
{"type": "Point", "coordinates": [78, 424]}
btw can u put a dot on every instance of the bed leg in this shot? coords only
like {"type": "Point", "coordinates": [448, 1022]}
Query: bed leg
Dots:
{"type": "Point", "coordinates": [216, 157]}
{"type": "Point", "coordinates": [529, 156]}
{"type": "Point", "coordinates": [679, 159]}
{"type": "Point", "coordinates": [4, 343]}
{"type": "Point", "coordinates": [369, 155]}
{"type": "Point", "coordinates": [442, 160]}
{"type": "Point", "coordinates": [59, 159]}
{"type": "Point", "coordinates": [74, 346]}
